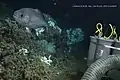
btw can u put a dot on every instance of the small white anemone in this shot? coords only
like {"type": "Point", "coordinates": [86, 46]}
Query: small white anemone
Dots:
{"type": "Point", "coordinates": [39, 31]}
{"type": "Point", "coordinates": [46, 60]}
{"type": "Point", "coordinates": [24, 51]}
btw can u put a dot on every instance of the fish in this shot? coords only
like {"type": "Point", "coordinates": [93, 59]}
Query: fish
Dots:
{"type": "Point", "coordinates": [29, 17]}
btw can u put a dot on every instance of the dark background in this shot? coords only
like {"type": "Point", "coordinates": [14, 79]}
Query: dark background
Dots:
{"type": "Point", "coordinates": [68, 16]}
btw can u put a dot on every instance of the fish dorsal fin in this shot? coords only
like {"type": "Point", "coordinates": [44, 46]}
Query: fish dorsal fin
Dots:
{"type": "Point", "coordinates": [37, 10]}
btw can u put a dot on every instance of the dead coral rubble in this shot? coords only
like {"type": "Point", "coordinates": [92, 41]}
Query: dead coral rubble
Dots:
{"type": "Point", "coordinates": [18, 57]}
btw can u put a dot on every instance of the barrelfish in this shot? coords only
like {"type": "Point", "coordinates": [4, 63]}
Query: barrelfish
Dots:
{"type": "Point", "coordinates": [29, 17]}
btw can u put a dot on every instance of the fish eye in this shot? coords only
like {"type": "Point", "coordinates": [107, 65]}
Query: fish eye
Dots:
{"type": "Point", "coordinates": [21, 15]}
